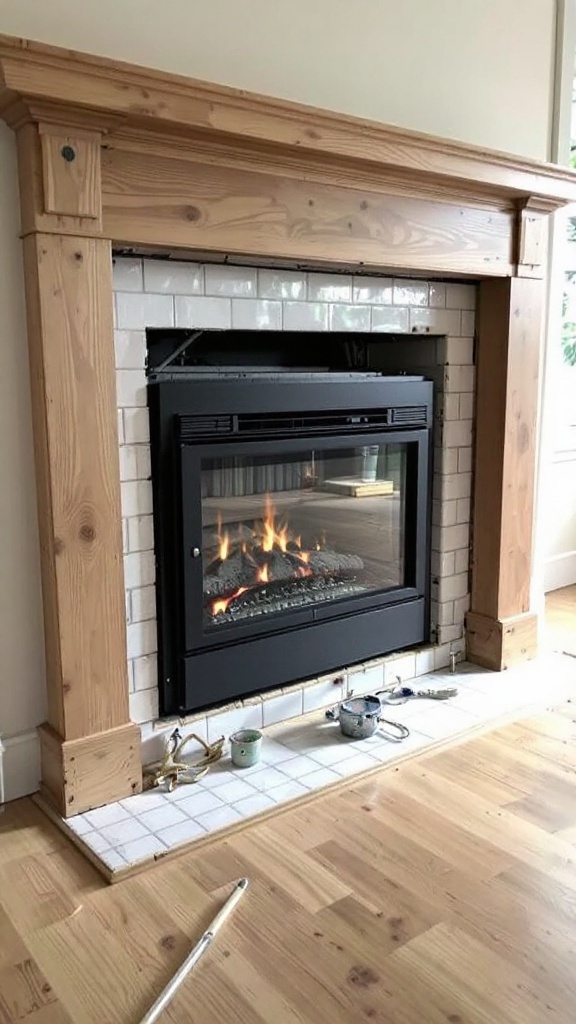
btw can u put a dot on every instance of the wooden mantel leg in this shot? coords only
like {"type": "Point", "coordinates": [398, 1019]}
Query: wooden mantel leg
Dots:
{"type": "Point", "coordinates": [90, 751]}
{"type": "Point", "coordinates": [501, 630]}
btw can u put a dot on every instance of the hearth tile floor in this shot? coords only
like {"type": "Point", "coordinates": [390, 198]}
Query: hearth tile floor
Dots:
{"type": "Point", "coordinates": [302, 756]}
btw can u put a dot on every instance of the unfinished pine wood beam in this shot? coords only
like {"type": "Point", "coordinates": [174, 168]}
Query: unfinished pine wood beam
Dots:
{"type": "Point", "coordinates": [501, 629]}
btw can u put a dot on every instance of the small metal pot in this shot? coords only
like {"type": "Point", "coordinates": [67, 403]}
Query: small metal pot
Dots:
{"type": "Point", "coordinates": [358, 717]}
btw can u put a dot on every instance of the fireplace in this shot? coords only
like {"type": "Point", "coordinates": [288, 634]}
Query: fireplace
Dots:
{"type": "Point", "coordinates": [116, 156]}
{"type": "Point", "coordinates": [291, 517]}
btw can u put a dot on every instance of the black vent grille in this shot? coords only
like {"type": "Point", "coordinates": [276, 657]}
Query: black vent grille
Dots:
{"type": "Point", "coordinates": [283, 424]}
{"type": "Point", "coordinates": [205, 426]}
{"type": "Point", "coordinates": [409, 415]}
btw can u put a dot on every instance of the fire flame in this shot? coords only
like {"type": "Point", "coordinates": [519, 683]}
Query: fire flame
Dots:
{"type": "Point", "coordinates": [220, 606]}
{"type": "Point", "coordinates": [268, 536]}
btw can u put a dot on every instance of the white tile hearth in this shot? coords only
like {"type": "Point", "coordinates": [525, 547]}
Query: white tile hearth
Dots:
{"type": "Point", "coordinates": [301, 757]}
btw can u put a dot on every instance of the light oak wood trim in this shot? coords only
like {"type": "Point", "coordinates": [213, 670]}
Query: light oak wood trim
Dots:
{"type": "Point", "coordinates": [69, 299]}
{"type": "Point", "coordinates": [509, 329]}
{"type": "Point", "coordinates": [91, 771]}
{"type": "Point", "coordinates": [501, 643]}
{"type": "Point", "coordinates": [153, 199]}
{"type": "Point", "coordinates": [71, 174]}
{"type": "Point", "coordinates": [44, 73]}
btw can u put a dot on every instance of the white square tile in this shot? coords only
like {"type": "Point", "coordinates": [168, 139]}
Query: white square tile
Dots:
{"type": "Point", "coordinates": [254, 805]}
{"type": "Point", "coordinates": [278, 709]}
{"type": "Point", "coordinates": [143, 604]}
{"type": "Point", "coordinates": [199, 801]}
{"type": "Point", "coordinates": [113, 860]}
{"type": "Point", "coordinates": [136, 426]}
{"type": "Point", "coordinates": [275, 753]}
{"type": "Point", "coordinates": [305, 316]}
{"type": "Point", "coordinates": [141, 638]}
{"type": "Point", "coordinates": [184, 832]}
{"type": "Point", "coordinates": [139, 571]}
{"type": "Point", "coordinates": [351, 765]}
{"type": "Point", "coordinates": [373, 290]}
{"type": "Point", "coordinates": [322, 695]}
{"type": "Point", "coordinates": [281, 284]}
{"type": "Point", "coordinates": [136, 497]}
{"type": "Point", "coordinates": [134, 462]}
{"type": "Point", "coordinates": [442, 721]}
{"type": "Point", "coordinates": [365, 680]}
{"type": "Point", "coordinates": [290, 791]}
{"type": "Point", "coordinates": [256, 315]}
{"type": "Point", "coordinates": [124, 831]}
{"type": "Point", "coordinates": [197, 311]}
{"type": "Point", "coordinates": [267, 778]}
{"type": "Point", "coordinates": [410, 293]}
{"type": "Point", "coordinates": [173, 278]}
{"type": "Point", "coordinates": [435, 321]}
{"type": "Point", "coordinates": [468, 322]}
{"type": "Point", "coordinates": [141, 849]}
{"type": "Point", "coordinates": [329, 288]}
{"type": "Point", "coordinates": [230, 281]}
{"type": "Point", "coordinates": [140, 533]}
{"type": "Point", "coordinates": [151, 800]}
{"type": "Point", "coordinates": [126, 274]}
{"type": "Point", "coordinates": [403, 667]}
{"type": "Point", "coordinates": [321, 777]}
{"type": "Point", "coordinates": [331, 755]}
{"type": "Point", "coordinates": [229, 722]}
{"type": "Point", "coordinates": [298, 767]}
{"type": "Point", "coordinates": [109, 815]}
{"type": "Point", "coordinates": [162, 817]}
{"type": "Point", "coordinates": [216, 778]}
{"type": "Point", "coordinates": [219, 818]}
{"type": "Point", "coordinates": [390, 319]}
{"type": "Point", "coordinates": [144, 706]}
{"type": "Point", "coordinates": [424, 662]}
{"type": "Point", "coordinates": [437, 295]}
{"type": "Point", "coordinates": [350, 318]}
{"type": "Point", "coordinates": [135, 312]}
{"type": "Point", "coordinates": [130, 347]}
{"type": "Point", "coordinates": [146, 672]}
{"type": "Point", "coordinates": [131, 388]}
{"type": "Point", "coordinates": [79, 825]}
{"type": "Point", "coordinates": [233, 791]}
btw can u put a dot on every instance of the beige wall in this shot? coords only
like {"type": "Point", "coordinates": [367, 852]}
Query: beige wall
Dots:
{"type": "Point", "coordinates": [478, 70]}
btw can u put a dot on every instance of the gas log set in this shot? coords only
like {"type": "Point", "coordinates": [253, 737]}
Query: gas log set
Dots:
{"type": "Point", "coordinates": [268, 567]}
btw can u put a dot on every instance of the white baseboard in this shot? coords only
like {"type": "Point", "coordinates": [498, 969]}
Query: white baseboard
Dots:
{"type": "Point", "coordinates": [19, 765]}
{"type": "Point", "coordinates": [560, 571]}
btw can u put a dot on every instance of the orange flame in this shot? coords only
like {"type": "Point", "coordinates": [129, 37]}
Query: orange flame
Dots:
{"type": "Point", "coordinates": [220, 606]}
{"type": "Point", "coordinates": [263, 575]}
{"type": "Point", "coordinates": [223, 541]}
{"type": "Point", "coordinates": [304, 556]}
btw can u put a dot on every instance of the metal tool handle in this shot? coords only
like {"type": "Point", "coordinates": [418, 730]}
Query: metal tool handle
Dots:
{"type": "Point", "coordinates": [193, 957]}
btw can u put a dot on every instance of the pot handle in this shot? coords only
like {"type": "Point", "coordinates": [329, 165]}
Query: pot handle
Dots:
{"type": "Point", "coordinates": [401, 731]}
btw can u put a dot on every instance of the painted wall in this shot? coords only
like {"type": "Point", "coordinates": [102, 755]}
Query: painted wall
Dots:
{"type": "Point", "coordinates": [461, 68]}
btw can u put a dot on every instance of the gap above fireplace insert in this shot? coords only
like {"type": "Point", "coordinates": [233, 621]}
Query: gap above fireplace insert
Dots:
{"type": "Point", "coordinates": [291, 516]}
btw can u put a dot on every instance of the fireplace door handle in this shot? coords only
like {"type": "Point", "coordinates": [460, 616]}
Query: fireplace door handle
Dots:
{"type": "Point", "coordinates": [196, 552]}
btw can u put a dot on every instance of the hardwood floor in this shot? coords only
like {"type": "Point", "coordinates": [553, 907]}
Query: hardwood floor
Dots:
{"type": "Point", "coordinates": [439, 892]}
{"type": "Point", "coordinates": [561, 619]}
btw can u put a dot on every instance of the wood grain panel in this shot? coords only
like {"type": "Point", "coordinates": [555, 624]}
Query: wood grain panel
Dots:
{"type": "Point", "coordinates": [159, 201]}
{"type": "Point", "coordinates": [508, 359]}
{"type": "Point", "coordinates": [71, 174]}
{"type": "Point", "coordinates": [145, 96]}
{"type": "Point", "coordinates": [69, 292]}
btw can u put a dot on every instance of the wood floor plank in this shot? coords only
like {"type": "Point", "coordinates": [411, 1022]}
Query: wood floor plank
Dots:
{"type": "Point", "coordinates": [443, 892]}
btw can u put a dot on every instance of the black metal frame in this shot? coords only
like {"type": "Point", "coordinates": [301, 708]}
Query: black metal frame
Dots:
{"type": "Point", "coordinates": [199, 668]}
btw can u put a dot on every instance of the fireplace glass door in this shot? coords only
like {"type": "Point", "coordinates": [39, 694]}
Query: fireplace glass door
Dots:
{"type": "Point", "coordinates": [295, 531]}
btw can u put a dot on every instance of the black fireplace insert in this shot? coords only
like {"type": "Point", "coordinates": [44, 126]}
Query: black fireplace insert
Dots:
{"type": "Point", "coordinates": [291, 518]}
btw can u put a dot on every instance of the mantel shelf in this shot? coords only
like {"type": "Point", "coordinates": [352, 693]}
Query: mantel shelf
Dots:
{"type": "Point", "coordinates": [59, 84]}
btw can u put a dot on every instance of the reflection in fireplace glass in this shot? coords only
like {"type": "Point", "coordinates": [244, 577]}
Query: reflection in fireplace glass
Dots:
{"type": "Point", "coordinates": [281, 533]}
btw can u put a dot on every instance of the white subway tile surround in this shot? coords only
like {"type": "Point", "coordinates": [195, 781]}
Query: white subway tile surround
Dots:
{"type": "Point", "coordinates": [165, 293]}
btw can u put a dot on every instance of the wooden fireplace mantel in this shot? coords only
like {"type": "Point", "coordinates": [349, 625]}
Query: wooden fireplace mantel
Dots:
{"type": "Point", "coordinates": [115, 155]}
